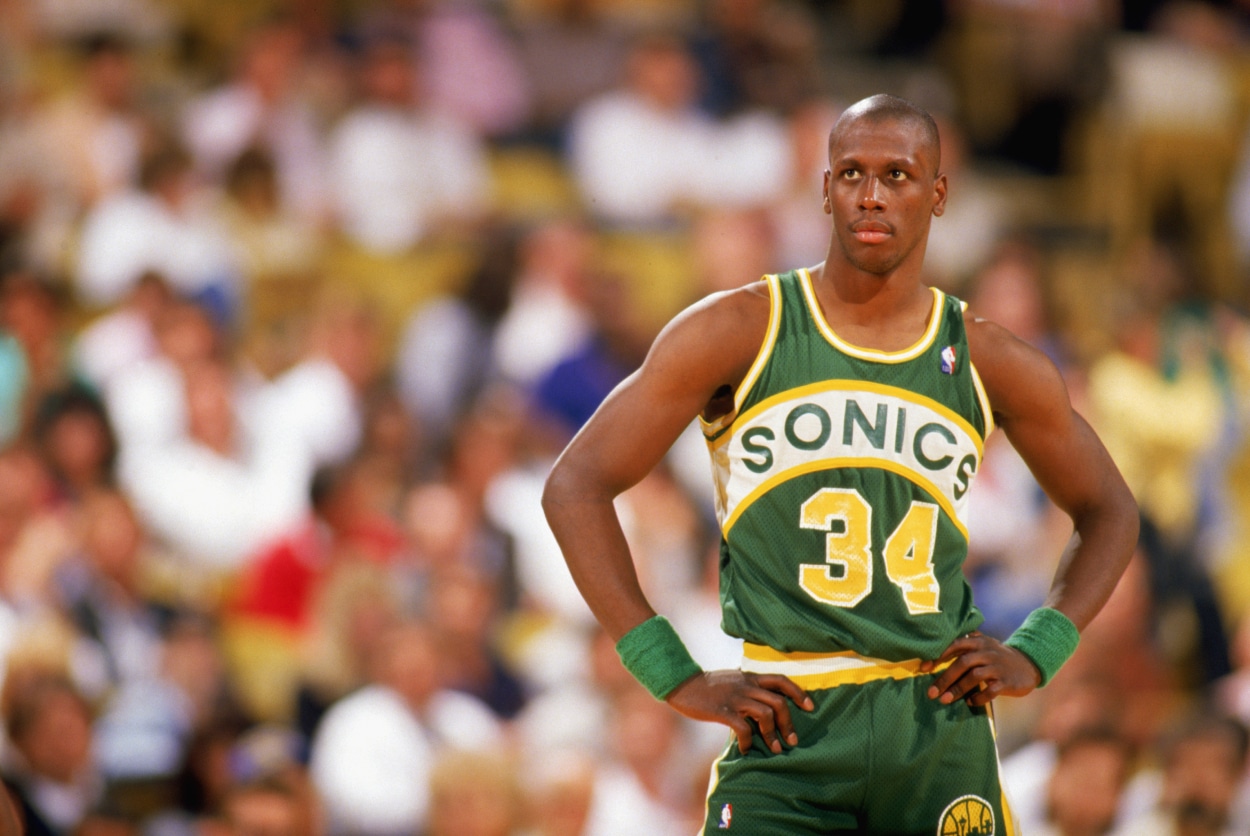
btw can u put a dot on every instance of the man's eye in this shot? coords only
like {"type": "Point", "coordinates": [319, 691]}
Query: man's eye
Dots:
{"type": "Point", "coordinates": [898, 174]}
{"type": "Point", "coordinates": [850, 174]}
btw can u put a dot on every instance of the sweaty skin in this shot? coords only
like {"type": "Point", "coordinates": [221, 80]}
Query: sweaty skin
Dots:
{"type": "Point", "coordinates": [882, 189]}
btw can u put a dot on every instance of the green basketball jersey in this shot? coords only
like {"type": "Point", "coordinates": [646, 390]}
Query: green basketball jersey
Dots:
{"type": "Point", "coordinates": [842, 479]}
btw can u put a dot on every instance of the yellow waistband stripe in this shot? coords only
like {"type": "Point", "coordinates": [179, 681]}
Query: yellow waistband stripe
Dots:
{"type": "Point", "coordinates": [828, 670]}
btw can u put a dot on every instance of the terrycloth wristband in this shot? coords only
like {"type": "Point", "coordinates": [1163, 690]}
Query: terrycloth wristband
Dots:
{"type": "Point", "coordinates": [1048, 638]}
{"type": "Point", "coordinates": [655, 655]}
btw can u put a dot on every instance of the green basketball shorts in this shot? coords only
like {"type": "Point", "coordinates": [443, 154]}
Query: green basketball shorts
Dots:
{"type": "Point", "coordinates": [876, 756]}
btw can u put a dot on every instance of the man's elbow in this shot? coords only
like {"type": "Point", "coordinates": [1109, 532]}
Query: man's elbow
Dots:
{"type": "Point", "coordinates": [554, 489]}
{"type": "Point", "coordinates": [562, 487]}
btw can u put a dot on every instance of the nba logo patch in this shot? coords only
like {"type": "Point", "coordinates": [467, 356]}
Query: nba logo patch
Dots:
{"type": "Point", "coordinates": [948, 360]}
{"type": "Point", "coordinates": [726, 817]}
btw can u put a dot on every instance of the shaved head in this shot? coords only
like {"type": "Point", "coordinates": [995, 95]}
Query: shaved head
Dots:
{"type": "Point", "coordinates": [886, 108]}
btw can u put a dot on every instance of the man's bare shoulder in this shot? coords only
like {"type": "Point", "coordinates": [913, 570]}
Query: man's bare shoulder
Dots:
{"type": "Point", "coordinates": [1017, 376]}
{"type": "Point", "coordinates": [710, 345]}
{"type": "Point", "coordinates": [728, 324]}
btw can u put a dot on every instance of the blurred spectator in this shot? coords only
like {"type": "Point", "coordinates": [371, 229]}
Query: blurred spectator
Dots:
{"type": "Point", "coordinates": [36, 536]}
{"type": "Point", "coordinates": [281, 583]}
{"type": "Point", "coordinates": [1082, 797]}
{"type": "Point", "coordinates": [375, 750]}
{"type": "Point", "coordinates": [546, 320]}
{"type": "Point", "coordinates": [468, 65]}
{"type": "Point", "coordinates": [260, 107]}
{"type": "Point", "coordinates": [145, 393]}
{"type": "Point", "coordinates": [1203, 767]}
{"type": "Point", "coordinates": [1169, 362]}
{"type": "Point", "coordinates": [355, 608]}
{"type": "Point", "coordinates": [464, 610]}
{"type": "Point", "coordinates": [1071, 708]}
{"type": "Point", "coordinates": [401, 169]}
{"type": "Point", "coordinates": [270, 793]}
{"type": "Point", "coordinates": [199, 492]}
{"type": "Point", "coordinates": [1027, 71]}
{"type": "Point", "coordinates": [978, 216]}
{"type": "Point", "coordinates": [312, 414]}
{"type": "Point", "coordinates": [32, 314]}
{"type": "Point", "coordinates": [733, 248]}
{"type": "Point", "coordinates": [559, 788]}
{"type": "Point", "coordinates": [222, 469]}
{"type": "Point", "coordinates": [572, 390]}
{"type": "Point", "coordinates": [757, 54]}
{"type": "Point", "coordinates": [474, 794]}
{"type": "Point", "coordinates": [53, 780]}
{"type": "Point", "coordinates": [580, 680]}
{"type": "Point", "coordinates": [446, 356]}
{"type": "Point", "coordinates": [272, 242]}
{"type": "Point", "coordinates": [97, 135]}
{"type": "Point", "coordinates": [564, 34]}
{"type": "Point", "coordinates": [801, 232]}
{"type": "Point", "coordinates": [100, 590]}
{"type": "Point", "coordinates": [124, 337]}
{"type": "Point", "coordinates": [153, 721]}
{"type": "Point", "coordinates": [89, 141]}
{"type": "Point", "coordinates": [56, 20]}
{"type": "Point", "coordinates": [646, 786]}
{"type": "Point", "coordinates": [165, 225]}
{"type": "Point", "coordinates": [267, 807]}
{"type": "Point", "coordinates": [389, 449]}
{"type": "Point", "coordinates": [644, 154]}
{"type": "Point", "coordinates": [75, 438]}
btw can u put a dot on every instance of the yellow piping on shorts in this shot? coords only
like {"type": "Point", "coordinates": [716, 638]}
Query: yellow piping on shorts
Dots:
{"type": "Point", "coordinates": [828, 670]}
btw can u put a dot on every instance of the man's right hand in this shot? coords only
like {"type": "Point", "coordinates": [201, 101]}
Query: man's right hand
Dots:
{"type": "Point", "coordinates": [735, 698]}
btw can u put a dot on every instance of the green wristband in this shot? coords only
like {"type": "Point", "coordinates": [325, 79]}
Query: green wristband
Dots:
{"type": "Point", "coordinates": [1048, 638]}
{"type": "Point", "coordinates": [655, 655]}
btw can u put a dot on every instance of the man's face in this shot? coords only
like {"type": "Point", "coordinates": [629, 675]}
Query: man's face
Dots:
{"type": "Point", "coordinates": [881, 190]}
{"type": "Point", "coordinates": [1201, 782]}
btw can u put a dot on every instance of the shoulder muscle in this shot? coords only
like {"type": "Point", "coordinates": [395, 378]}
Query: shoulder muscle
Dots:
{"type": "Point", "coordinates": [1020, 381]}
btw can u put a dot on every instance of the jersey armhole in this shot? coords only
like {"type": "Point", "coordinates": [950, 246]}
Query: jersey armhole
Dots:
{"type": "Point", "coordinates": [711, 429]}
{"type": "Point", "coordinates": [984, 398]}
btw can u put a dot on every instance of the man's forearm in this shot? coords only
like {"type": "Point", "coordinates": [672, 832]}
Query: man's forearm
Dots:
{"type": "Point", "coordinates": [594, 547]}
{"type": "Point", "coordinates": [1089, 571]}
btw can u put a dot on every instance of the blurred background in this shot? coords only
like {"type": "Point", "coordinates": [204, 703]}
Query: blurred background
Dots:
{"type": "Point", "coordinates": [300, 298]}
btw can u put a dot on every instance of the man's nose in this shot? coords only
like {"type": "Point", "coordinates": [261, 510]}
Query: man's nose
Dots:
{"type": "Point", "coordinates": [873, 195]}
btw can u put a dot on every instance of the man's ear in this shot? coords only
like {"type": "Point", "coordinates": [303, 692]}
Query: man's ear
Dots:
{"type": "Point", "coordinates": [939, 195]}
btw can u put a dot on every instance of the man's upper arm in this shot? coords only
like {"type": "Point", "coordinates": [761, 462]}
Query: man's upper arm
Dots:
{"type": "Point", "coordinates": [708, 346]}
{"type": "Point", "coordinates": [1031, 405]}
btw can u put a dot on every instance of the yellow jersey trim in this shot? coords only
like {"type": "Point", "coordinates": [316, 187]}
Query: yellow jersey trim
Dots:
{"type": "Point", "coordinates": [859, 386]}
{"type": "Point", "coordinates": [984, 398]}
{"type": "Point", "coordinates": [761, 359]}
{"type": "Point", "coordinates": [846, 461]}
{"type": "Point", "coordinates": [875, 355]}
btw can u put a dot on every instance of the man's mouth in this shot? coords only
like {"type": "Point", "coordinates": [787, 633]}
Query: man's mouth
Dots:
{"type": "Point", "coordinates": [871, 232]}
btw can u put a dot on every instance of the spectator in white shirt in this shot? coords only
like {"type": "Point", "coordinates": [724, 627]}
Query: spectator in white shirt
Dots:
{"type": "Point", "coordinates": [374, 751]}
{"type": "Point", "coordinates": [261, 108]}
{"type": "Point", "coordinates": [401, 170]}
{"type": "Point", "coordinates": [643, 154]}
{"type": "Point", "coordinates": [165, 227]}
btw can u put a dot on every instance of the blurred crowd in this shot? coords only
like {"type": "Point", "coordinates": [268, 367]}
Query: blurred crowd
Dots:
{"type": "Point", "coordinates": [299, 299]}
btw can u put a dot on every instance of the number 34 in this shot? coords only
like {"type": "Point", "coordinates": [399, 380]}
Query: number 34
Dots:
{"type": "Point", "coordinates": [908, 551]}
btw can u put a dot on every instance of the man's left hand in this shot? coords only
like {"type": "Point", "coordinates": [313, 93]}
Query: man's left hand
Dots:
{"type": "Point", "coordinates": [982, 668]}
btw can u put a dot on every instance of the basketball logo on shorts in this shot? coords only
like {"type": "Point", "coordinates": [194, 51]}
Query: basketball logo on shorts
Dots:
{"type": "Point", "coordinates": [967, 815]}
{"type": "Point", "coordinates": [726, 816]}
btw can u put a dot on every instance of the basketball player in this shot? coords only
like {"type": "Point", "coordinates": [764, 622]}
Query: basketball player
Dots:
{"type": "Point", "coordinates": [846, 407]}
